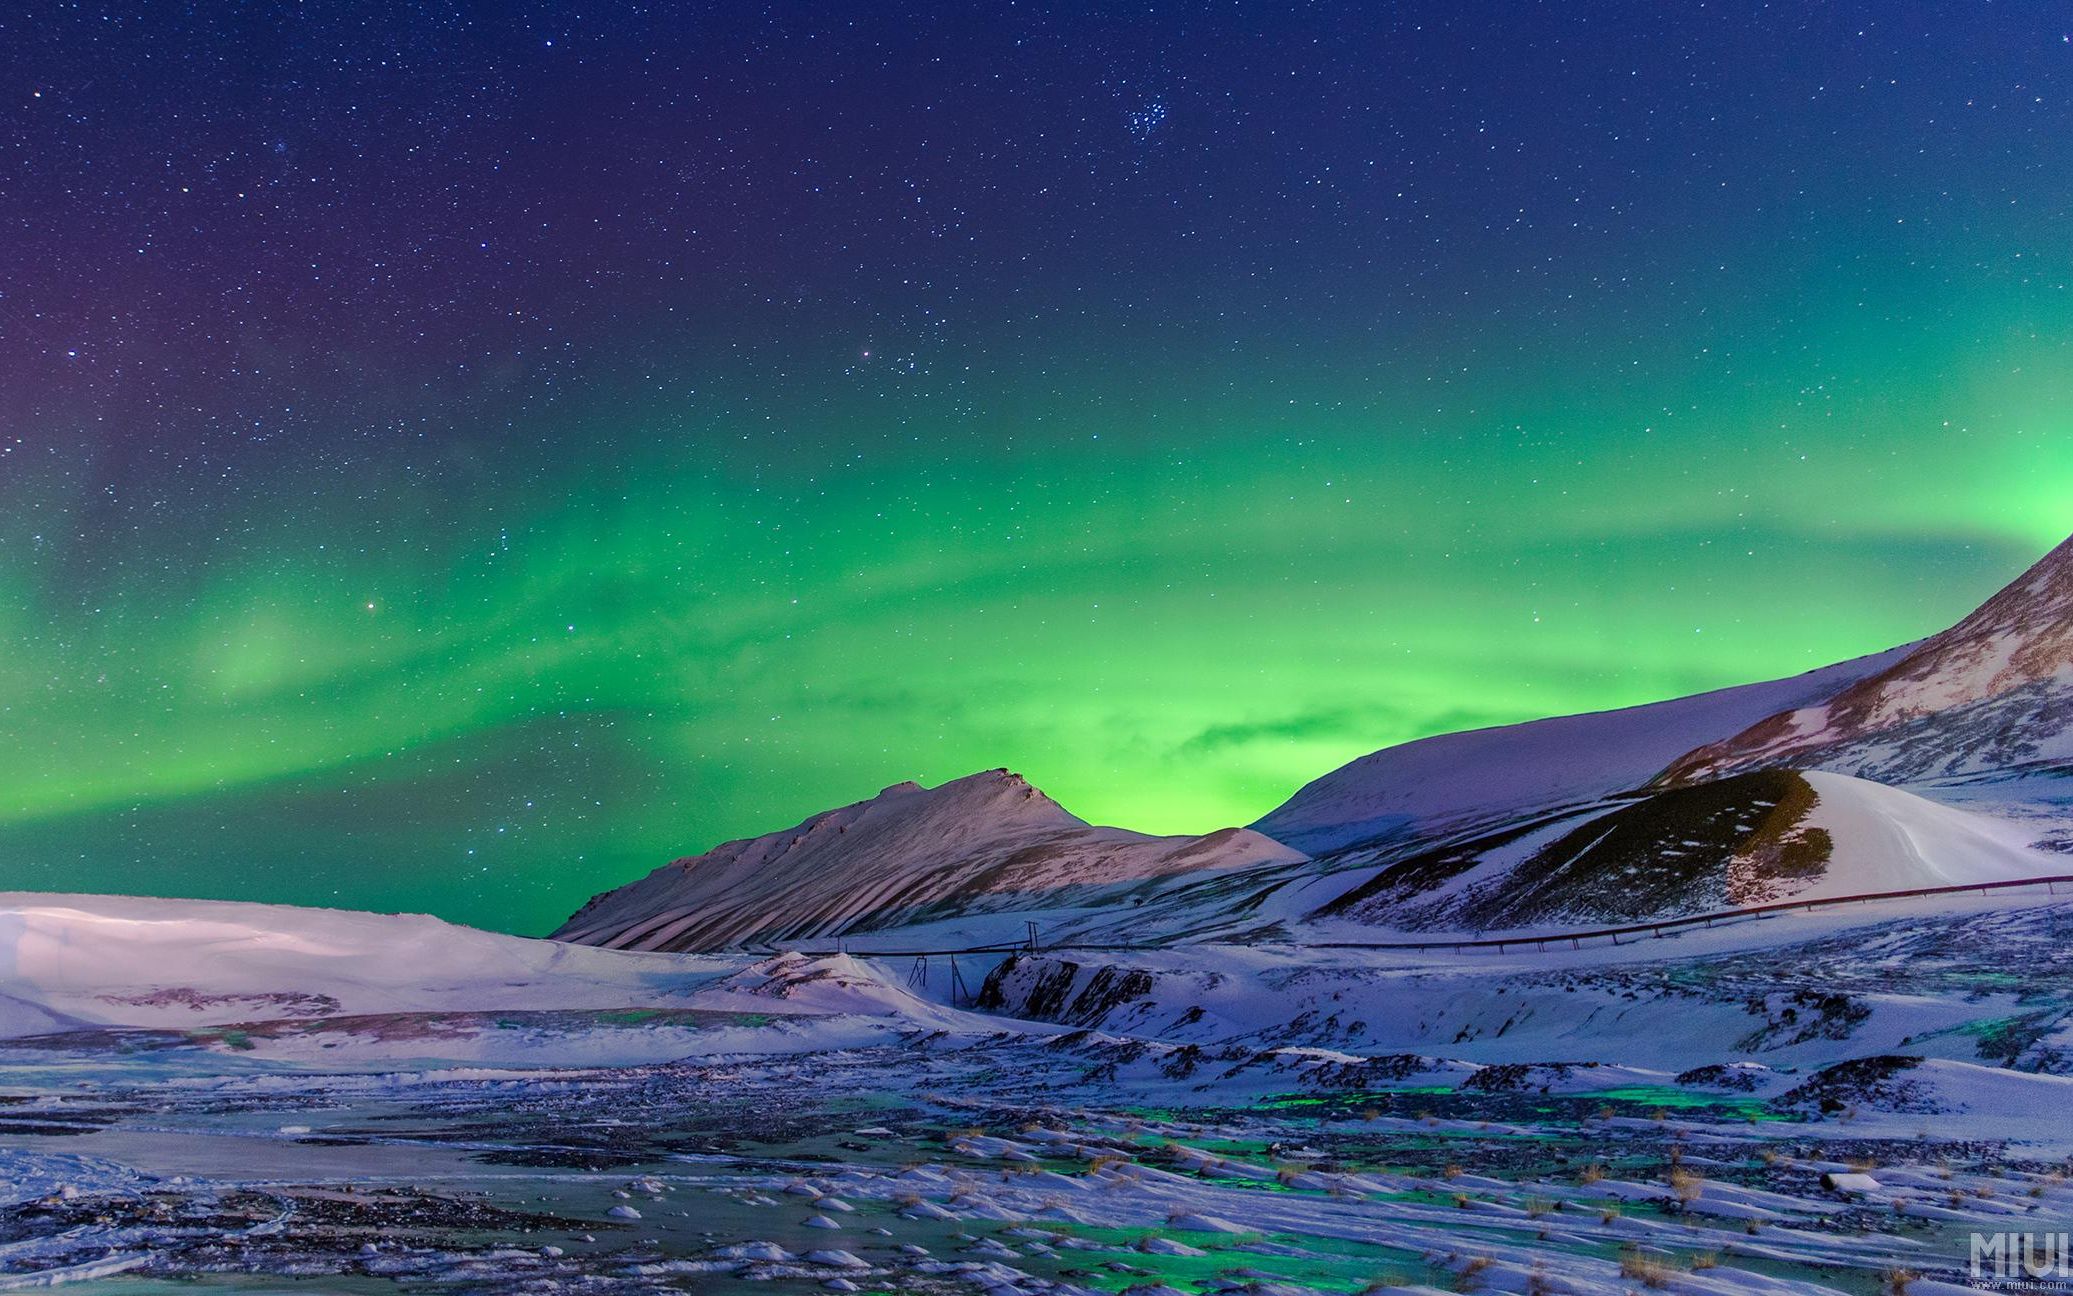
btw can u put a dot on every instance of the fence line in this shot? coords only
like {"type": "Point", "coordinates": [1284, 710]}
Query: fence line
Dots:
{"type": "Point", "coordinates": [1574, 939]}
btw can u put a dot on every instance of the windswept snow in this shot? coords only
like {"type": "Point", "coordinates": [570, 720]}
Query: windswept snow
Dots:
{"type": "Point", "coordinates": [1888, 839]}
{"type": "Point", "coordinates": [1670, 1115]}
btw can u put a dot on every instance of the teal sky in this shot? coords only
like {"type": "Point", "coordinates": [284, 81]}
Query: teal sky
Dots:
{"type": "Point", "coordinates": [1166, 421]}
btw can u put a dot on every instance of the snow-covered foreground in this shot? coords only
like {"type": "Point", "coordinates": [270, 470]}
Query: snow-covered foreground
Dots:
{"type": "Point", "coordinates": [250, 1094]}
{"type": "Point", "coordinates": [132, 961]}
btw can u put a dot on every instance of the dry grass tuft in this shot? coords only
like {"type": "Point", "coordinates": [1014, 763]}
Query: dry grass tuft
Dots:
{"type": "Point", "coordinates": [1686, 1185]}
{"type": "Point", "coordinates": [1649, 1271]}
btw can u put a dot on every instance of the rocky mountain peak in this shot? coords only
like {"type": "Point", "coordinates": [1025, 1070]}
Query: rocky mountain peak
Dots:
{"type": "Point", "coordinates": [1988, 693]}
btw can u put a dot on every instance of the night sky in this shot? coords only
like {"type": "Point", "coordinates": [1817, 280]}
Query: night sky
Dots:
{"type": "Point", "coordinates": [458, 458]}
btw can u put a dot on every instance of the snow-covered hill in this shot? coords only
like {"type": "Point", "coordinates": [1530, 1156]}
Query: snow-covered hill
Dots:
{"type": "Point", "coordinates": [1443, 784]}
{"type": "Point", "coordinates": [1750, 839]}
{"type": "Point", "coordinates": [984, 843]}
{"type": "Point", "coordinates": [1993, 694]}
{"type": "Point", "coordinates": [69, 960]}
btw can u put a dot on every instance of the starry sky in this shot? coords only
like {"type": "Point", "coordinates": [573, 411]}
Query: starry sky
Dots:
{"type": "Point", "coordinates": [457, 458]}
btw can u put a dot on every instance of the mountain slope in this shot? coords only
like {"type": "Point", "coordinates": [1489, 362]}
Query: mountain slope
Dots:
{"type": "Point", "coordinates": [984, 842]}
{"type": "Point", "coordinates": [1749, 839]}
{"type": "Point", "coordinates": [1992, 694]}
{"type": "Point", "coordinates": [1438, 785]}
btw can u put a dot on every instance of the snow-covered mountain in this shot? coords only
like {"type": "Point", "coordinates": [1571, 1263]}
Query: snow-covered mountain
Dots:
{"type": "Point", "coordinates": [909, 855]}
{"type": "Point", "coordinates": [1717, 800]}
{"type": "Point", "coordinates": [1991, 695]}
{"type": "Point", "coordinates": [1438, 786]}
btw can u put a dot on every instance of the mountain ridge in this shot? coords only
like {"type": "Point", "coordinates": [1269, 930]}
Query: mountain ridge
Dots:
{"type": "Point", "coordinates": [1809, 785]}
{"type": "Point", "coordinates": [977, 843]}
{"type": "Point", "coordinates": [1939, 700]}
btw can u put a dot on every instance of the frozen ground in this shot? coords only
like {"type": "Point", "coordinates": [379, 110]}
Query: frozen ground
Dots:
{"type": "Point", "coordinates": [288, 1114]}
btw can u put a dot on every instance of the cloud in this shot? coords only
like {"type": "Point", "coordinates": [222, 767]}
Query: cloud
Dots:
{"type": "Point", "coordinates": [1335, 723]}
{"type": "Point", "coordinates": [1376, 726]}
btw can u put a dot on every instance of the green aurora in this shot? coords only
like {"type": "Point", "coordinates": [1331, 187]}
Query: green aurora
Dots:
{"type": "Point", "coordinates": [657, 434]}
{"type": "Point", "coordinates": [493, 714]}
